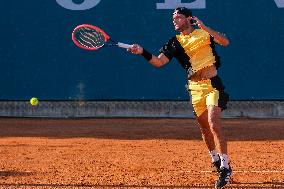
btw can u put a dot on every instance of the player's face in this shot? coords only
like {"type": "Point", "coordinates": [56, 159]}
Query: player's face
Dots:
{"type": "Point", "coordinates": [180, 22]}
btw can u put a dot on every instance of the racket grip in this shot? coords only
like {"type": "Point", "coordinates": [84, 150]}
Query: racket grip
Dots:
{"type": "Point", "coordinates": [123, 45]}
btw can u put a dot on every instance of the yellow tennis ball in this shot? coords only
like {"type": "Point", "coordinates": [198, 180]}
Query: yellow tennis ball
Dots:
{"type": "Point", "coordinates": [34, 101]}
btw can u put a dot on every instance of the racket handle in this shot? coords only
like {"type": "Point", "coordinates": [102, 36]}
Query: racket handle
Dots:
{"type": "Point", "coordinates": [123, 45]}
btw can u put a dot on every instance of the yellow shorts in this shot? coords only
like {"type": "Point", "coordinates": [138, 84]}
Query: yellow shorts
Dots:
{"type": "Point", "coordinates": [209, 92]}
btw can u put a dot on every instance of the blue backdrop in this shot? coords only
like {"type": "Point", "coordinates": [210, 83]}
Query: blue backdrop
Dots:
{"type": "Point", "coordinates": [39, 59]}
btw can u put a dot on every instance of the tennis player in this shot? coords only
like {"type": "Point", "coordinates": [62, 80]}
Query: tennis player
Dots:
{"type": "Point", "coordinates": [194, 48]}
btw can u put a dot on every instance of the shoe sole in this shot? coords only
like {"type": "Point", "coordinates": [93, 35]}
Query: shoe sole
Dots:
{"type": "Point", "coordinates": [227, 182]}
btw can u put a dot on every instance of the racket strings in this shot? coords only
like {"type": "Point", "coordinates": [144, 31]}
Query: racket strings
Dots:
{"type": "Point", "coordinates": [85, 41]}
{"type": "Point", "coordinates": [90, 38]}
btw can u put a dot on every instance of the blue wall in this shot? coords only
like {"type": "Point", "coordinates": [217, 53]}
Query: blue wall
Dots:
{"type": "Point", "coordinates": [39, 59]}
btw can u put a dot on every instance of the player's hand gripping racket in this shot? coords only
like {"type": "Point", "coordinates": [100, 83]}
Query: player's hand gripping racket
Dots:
{"type": "Point", "coordinates": [91, 37]}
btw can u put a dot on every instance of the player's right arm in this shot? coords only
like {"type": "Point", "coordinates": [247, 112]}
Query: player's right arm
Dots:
{"type": "Point", "coordinates": [156, 61]}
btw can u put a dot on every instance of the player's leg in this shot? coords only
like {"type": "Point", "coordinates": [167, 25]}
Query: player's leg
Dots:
{"type": "Point", "coordinates": [198, 92]}
{"type": "Point", "coordinates": [216, 101]}
{"type": "Point", "coordinates": [214, 122]}
{"type": "Point", "coordinates": [208, 138]}
{"type": "Point", "coordinates": [206, 131]}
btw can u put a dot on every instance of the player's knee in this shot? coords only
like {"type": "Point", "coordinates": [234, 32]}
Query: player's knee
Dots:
{"type": "Point", "coordinates": [214, 123]}
{"type": "Point", "coordinates": [214, 118]}
{"type": "Point", "coordinates": [214, 126]}
{"type": "Point", "coordinates": [205, 129]}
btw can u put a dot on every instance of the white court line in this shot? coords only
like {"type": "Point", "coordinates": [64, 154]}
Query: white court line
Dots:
{"type": "Point", "coordinates": [241, 171]}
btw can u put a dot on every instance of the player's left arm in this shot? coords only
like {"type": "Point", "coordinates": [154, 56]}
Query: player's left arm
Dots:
{"type": "Point", "coordinates": [219, 38]}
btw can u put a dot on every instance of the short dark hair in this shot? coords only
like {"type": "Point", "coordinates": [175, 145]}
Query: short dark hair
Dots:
{"type": "Point", "coordinates": [183, 10]}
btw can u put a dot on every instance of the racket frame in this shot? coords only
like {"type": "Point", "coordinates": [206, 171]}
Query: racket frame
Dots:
{"type": "Point", "coordinates": [107, 42]}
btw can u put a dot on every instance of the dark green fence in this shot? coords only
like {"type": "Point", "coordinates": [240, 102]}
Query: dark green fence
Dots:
{"type": "Point", "coordinates": [39, 59]}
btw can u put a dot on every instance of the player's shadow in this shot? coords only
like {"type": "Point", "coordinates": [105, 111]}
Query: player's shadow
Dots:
{"type": "Point", "coordinates": [139, 129]}
{"type": "Point", "coordinates": [7, 173]}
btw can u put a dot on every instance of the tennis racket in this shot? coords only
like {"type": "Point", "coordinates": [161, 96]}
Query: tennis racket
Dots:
{"type": "Point", "coordinates": [91, 37]}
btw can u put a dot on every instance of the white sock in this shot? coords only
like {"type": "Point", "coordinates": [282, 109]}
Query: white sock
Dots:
{"type": "Point", "coordinates": [214, 155]}
{"type": "Point", "coordinates": [224, 161]}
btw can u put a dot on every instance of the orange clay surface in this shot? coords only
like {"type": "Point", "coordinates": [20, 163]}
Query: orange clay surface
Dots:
{"type": "Point", "coordinates": [135, 153]}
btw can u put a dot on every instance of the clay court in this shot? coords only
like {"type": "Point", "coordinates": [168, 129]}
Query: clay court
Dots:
{"type": "Point", "coordinates": [135, 153]}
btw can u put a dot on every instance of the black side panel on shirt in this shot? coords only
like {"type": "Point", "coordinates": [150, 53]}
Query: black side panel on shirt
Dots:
{"type": "Point", "coordinates": [217, 58]}
{"type": "Point", "coordinates": [173, 49]}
